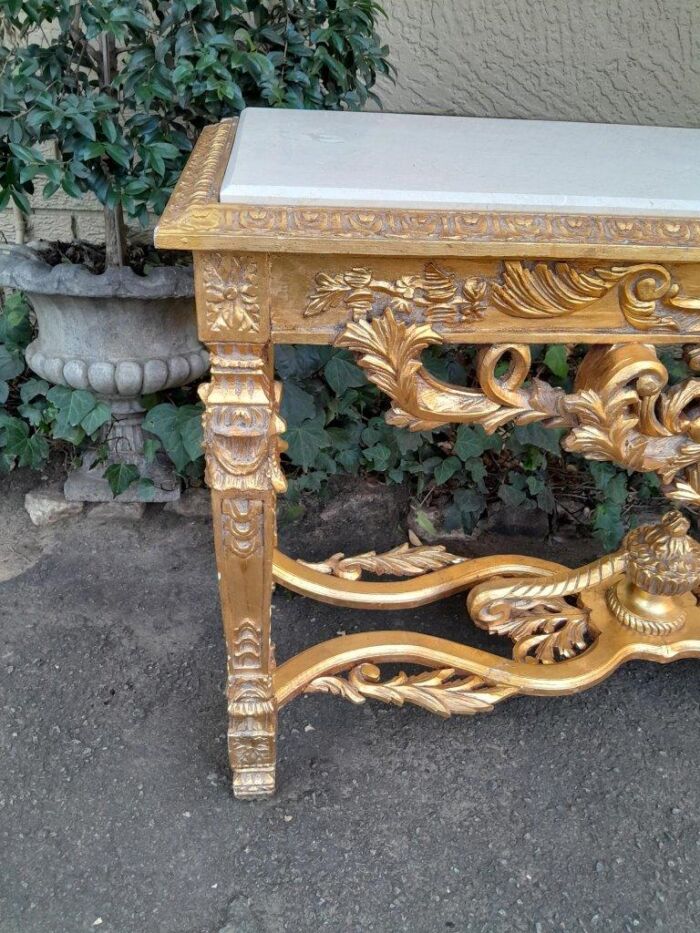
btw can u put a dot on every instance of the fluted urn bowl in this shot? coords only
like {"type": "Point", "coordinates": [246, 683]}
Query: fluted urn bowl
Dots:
{"type": "Point", "coordinates": [121, 336]}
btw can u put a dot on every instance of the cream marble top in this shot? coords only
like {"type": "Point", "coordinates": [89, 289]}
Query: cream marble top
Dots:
{"type": "Point", "coordinates": [330, 158]}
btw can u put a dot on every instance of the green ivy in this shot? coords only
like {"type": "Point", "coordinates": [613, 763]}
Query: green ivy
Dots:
{"type": "Point", "coordinates": [335, 425]}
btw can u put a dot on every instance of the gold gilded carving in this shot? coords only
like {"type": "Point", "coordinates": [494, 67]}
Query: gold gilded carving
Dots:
{"type": "Point", "coordinates": [389, 352]}
{"type": "Point", "coordinates": [252, 730]}
{"type": "Point", "coordinates": [201, 177]}
{"type": "Point", "coordinates": [241, 426]}
{"type": "Point", "coordinates": [437, 294]}
{"type": "Point", "coordinates": [536, 615]}
{"type": "Point", "coordinates": [663, 562]}
{"type": "Point", "coordinates": [438, 691]}
{"type": "Point", "coordinates": [545, 629]}
{"type": "Point", "coordinates": [620, 410]}
{"type": "Point", "coordinates": [245, 651]}
{"type": "Point", "coordinates": [407, 560]}
{"type": "Point", "coordinates": [542, 290]}
{"type": "Point", "coordinates": [269, 224]}
{"type": "Point", "coordinates": [230, 285]}
{"type": "Point", "coordinates": [660, 563]}
{"type": "Point", "coordinates": [241, 525]}
{"type": "Point", "coordinates": [557, 289]}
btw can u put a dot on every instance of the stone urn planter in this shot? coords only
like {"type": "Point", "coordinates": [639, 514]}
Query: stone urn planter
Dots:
{"type": "Point", "coordinates": [121, 336]}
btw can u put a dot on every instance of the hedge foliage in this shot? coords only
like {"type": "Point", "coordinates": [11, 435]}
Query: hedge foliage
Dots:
{"type": "Point", "coordinates": [335, 426]}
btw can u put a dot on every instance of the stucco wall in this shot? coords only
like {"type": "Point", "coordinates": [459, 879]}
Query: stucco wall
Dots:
{"type": "Point", "coordinates": [610, 61]}
{"type": "Point", "coordinates": [616, 61]}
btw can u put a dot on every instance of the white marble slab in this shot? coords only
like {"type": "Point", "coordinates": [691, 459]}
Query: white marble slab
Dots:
{"type": "Point", "coordinates": [401, 160]}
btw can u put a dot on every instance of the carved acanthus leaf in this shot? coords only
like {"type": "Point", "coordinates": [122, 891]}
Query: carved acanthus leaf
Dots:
{"type": "Point", "coordinates": [407, 560]}
{"type": "Point", "coordinates": [620, 411]}
{"type": "Point", "coordinates": [647, 294]}
{"type": "Point", "coordinates": [389, 352]}
{"type": "Point", "coordinates": [546, 630]}
{"type": "Point", "coordinates": [555, 290]}
{"type": "Point", "coordinates": [438, 691]}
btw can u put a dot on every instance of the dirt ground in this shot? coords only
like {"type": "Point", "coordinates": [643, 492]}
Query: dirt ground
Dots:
{"type": "Point", "coordinates": [574, 814]}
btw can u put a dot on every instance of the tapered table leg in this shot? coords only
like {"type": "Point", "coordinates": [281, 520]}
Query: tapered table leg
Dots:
{"type": "Point", "coordinates": [241, 430]}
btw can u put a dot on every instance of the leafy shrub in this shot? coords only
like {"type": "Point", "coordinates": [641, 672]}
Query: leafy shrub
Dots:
{"type": "Point", "coordinates": [122, 89]}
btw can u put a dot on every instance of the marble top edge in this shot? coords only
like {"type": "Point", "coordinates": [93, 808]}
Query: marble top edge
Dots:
{"type": "Point", "coordinates": [376, 160]}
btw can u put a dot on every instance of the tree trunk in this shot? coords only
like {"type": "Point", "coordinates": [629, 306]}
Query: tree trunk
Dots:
{"type": "Point", "coordinates": [115, 228]}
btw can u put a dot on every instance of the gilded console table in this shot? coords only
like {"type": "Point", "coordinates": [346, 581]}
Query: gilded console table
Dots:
{"type": "Point", "coordinates": [385, 235]}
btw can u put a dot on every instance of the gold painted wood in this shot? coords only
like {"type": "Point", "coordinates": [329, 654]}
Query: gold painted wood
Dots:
{"type": "Point", "coordinates": [302, 578]}
{"type": "Point", "coordinates": [488, 300]}
{"type": "Point", "coordinates": [195, 220]}
{"type": "Point", "coordinates": [387, 284]}
{"type": "Point", "coordinates": [241, 429]}
{"type": "Point", "coordinates": [614, 646]}
{"type": "Point", "coordinates": [621, 409]}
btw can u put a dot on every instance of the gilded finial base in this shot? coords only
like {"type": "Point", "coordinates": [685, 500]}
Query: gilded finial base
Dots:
{"type": "Point", "coordinates": [647, 614]}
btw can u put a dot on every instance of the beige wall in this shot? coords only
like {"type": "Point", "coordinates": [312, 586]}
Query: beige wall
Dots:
{"type": "Point", "coordinates": [617, 61]}
{"type": "Point", "coordinates": [614, 61]}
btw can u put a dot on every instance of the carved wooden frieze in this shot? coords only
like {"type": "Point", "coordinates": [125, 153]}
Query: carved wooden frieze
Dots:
{"type": "Point", "coordinates": [647, 294]}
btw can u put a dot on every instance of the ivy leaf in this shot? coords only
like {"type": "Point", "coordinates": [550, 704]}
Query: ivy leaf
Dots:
{"type": "Point", "coordinates": [81, 403]}
{"type": "Point", "coordinates": [179, 429]}
{"type": "Point", "coordinates": [446, 469]}
{"type": "Point", "coordinates": [96, 418]}
{"type": "Point", "coordinates": [555, 359]}
{"type": "Point", "coordinates": [342, 373]}
{"type": "Point", "coordinates": [470, 441]}
{"type": "Point", "coordinates": [297, 404]}
{"type": "Point", "coordinates": [511, 495]}
{"type": "Point", "coordinates": [120, 476]}
{"type": "Point", "coordinates": [4, 391]}
{"type": "Point", "coordinates": [151, 446]}
{"type": "Point", "coordinates": [29, 450]}
{"type": "Point", "coordinates": [32, 388]}
{"type": "Point", "coordinates": [544, 438]}
{"type": "Point", "coordinates": [424, 522]}
{"type": "Point", "coordinates": [306, 440]}
{"type": "Point", "coordinates": [378, 456]}
{"type": "Point", "coordinates": [11, 364]}
{"type": "Point", "coordinates": [608, 525]}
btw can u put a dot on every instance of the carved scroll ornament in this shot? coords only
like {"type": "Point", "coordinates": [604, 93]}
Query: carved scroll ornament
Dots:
{"type": "Point", "coordinates": [648, 296]}
{"type": "Point", "coordinates": [621, 409]}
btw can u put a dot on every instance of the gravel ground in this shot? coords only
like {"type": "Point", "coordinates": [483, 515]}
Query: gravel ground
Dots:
{"type": "Point", "coordinates": [576, 814]}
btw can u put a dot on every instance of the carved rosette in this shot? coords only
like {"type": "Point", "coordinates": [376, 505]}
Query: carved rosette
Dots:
{"type": "Point", "coordinates": [230, 288]}
{"type": "Point", "coordinates": [241, 425]}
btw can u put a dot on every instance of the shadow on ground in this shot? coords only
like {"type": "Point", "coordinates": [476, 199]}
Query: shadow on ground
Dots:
{"type": "Point", "coordinates": [577, 814]}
